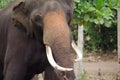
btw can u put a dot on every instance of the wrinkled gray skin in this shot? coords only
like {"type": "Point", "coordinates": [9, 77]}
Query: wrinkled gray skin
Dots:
{"type": "Point", "coordinates": [25, 29]}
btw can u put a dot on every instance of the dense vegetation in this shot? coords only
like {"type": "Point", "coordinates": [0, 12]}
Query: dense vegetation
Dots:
{"type": "Point", "coordinates": [4, 2]}
{"type": "Point", "coordinates": [99, 18]}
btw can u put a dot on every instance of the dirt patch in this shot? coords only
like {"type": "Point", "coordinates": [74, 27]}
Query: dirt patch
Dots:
{"type": "Point", "coordinates": [101, 67]}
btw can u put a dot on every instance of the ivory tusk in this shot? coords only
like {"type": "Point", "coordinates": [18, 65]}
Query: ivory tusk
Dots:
{"type": "Point", "coordinates": [52, 61]}
{"type": "Point", "coordinates": [79, 54]}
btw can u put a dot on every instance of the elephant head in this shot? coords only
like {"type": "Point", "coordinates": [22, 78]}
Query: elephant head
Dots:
{"type": "Point", "coordinates": [52, 17]}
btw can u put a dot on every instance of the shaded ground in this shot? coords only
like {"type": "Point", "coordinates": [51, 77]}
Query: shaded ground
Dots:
{"type": "Point", "coordinates": [102, 70]}
{"type": "Point", "coordinates": [100, 67]}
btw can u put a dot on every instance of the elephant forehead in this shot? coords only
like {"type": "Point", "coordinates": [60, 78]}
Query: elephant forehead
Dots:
{"type": "Point", "coordinates": [55, 21]}
{"type": "Point", "coordinates": [49, 3]}
{"type": "Point", "coordinates": [38, 3]}
{"type": "Point", "coordinates": [57, 17]}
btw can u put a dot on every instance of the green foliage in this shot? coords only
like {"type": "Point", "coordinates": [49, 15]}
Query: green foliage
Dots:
{"type": "Point", "coordinates": [92, 38]}
{"type": "Point", "coordinates": [4, 2]}
{"type": "Point", "coordinates": [99, 12]}
{"type": "Point", "coordinates": [83, 75]}
{"type": "Point", "coordinates": [99, 18]}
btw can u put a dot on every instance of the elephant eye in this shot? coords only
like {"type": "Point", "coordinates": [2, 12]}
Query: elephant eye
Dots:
{"type": "Point", "coordinates": [37, 18]}
{"type": "Point", "coordinates": [68, 16]}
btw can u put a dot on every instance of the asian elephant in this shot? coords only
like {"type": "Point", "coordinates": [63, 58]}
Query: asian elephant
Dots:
{"type": "Point", "coordinates": [35, 37]}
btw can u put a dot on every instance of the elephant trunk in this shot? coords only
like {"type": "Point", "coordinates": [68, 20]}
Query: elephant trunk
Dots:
{"type": "Point", "coordinates": [57, 36]}
{"type": "Point", "coordinates": [55, 28]}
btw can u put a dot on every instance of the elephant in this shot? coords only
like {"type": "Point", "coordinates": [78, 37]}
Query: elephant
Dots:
{"type": "Point", "coordinates": [35, 37]}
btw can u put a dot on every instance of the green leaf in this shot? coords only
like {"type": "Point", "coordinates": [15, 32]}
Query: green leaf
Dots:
{"type": "Point", "coordinates": [77, 1]}
{"type": "Point", "coordinates": [101, 21]}
{"type": "Point", "coordinates": [86, 17]}
{"type": "Point", "coordinates": [96, 21]}
{"type": "Point", "coordinates": [108, 23]}
{"type": "Point", "coordinates": [99, 4]}
{"type": "Point", "coordinates": [91, 9]}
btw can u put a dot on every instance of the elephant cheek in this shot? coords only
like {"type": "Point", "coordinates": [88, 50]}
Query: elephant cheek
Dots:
{"type": "Point", "coordinates": [55, 26]}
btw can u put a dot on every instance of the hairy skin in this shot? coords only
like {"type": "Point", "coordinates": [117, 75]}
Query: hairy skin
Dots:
{"type": "Point", "coordinates": [24, 32]}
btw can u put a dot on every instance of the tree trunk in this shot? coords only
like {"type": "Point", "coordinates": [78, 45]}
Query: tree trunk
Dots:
{"type": "Point", "coordinates": [80, 38]}
{"type": "Point", "coordinates": [78, 64]}
{"type": "Point", "coordinates": [118, 36]}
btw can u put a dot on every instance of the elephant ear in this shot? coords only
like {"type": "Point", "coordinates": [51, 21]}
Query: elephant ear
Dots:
{"type": "Point", "coordinates": [20, 18]}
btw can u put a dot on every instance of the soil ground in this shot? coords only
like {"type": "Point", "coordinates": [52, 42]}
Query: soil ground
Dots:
{"type": "Point", "coordinates": [100, 67]}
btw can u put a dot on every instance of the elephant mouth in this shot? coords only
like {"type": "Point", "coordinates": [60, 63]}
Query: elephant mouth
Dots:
{"type": "Point", "coordinates": [54, 64]}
